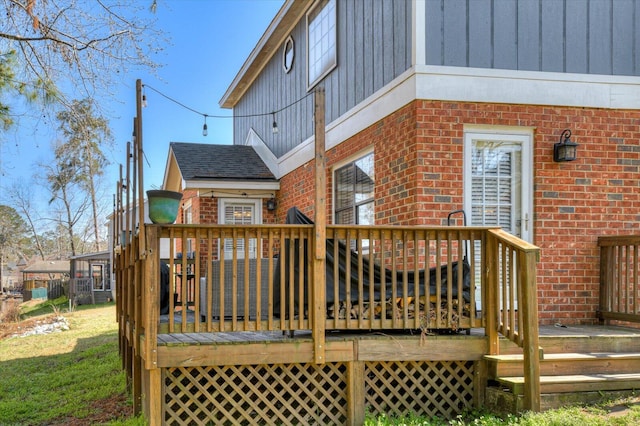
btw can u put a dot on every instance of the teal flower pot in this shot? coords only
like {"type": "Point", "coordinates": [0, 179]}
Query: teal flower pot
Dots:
{"type": "Point", "coordinates": [163, 206]}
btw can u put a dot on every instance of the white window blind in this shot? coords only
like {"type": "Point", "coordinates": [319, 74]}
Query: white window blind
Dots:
{"type": "Point", "coordinates": [496, 180]}
{"type": "Point", "coordinates": [239, 213]}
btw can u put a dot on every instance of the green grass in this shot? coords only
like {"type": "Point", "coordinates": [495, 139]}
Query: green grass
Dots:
{"type": "Point", "coordinates": [75, 376]}
{"type": "Point", "coordinates": [620, 412]}
{"type": "Point", "coordinates": [64, 376]}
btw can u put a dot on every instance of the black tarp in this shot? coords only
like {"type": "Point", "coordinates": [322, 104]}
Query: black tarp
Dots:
{"type": "Point", "coordinates": [164, 288]}
{"type": "Point", "coordinates": [295, 216]}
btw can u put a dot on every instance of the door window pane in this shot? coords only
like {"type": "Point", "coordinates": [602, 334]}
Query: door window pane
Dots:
{"type": "Point", "coordinates": [496, 181]}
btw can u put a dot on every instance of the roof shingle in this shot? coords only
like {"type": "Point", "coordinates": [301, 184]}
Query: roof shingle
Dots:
{"type": "Point", "coordinates": [219, 162]}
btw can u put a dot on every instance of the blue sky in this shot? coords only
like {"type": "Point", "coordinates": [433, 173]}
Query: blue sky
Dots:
{"type": "Point", "coordinates": [209, 42]}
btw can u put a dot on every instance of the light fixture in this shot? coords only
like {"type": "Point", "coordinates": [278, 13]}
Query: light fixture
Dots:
{"type": "Point", "coordinates": [271, 204]}
{"type": "Point", "coordinates": [274, 128]}
{"type": "Point", "coordinates": [565, 149]}
{"type": "Point", "coordinates": [144, 97]}
{"type": "Point", "coordinates": [205, 132]}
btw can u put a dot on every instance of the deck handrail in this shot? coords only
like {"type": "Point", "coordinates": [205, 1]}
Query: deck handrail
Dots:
{"type": "Point", "coordinates": [388, 277]}
{"type": "Point", "coordinates": [619, 278]}
{"type": "Point", "coordinates": [513, 303]}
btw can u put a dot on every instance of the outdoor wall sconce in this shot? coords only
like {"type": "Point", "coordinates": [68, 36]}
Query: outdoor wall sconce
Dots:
{"type": "Point", "coordinates": [271, 204]}
{"type": "Point", "coordinates": [565, 149]}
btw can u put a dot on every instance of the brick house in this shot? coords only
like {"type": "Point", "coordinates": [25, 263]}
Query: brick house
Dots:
{"type": "Point", "coordinates": [432, 106]}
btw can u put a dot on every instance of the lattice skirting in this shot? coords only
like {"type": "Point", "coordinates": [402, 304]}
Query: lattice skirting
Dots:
{"type": "Point", "coordinates": [431, 388]}
{"type": "Point", "coordinates": [310, 393]}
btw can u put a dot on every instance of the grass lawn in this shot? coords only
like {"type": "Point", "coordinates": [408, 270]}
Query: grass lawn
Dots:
{"type": "Point", "coordinates": [74, 377]}
{"type": "Point", "coordinates": [71, 377]}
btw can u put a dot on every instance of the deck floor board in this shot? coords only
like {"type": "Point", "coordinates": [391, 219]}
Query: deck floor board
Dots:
{"type": "Point", "coordinates": [275, 336]}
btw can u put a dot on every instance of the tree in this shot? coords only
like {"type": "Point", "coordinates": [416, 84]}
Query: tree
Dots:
{"type": "Point", "coordinates": [13, 231]}
{"type": "Point", "coordinates": [65, 195]}
{"type": "Point", "coordinates": [84, 133]}
{"type": "Point", "coordinates": [20, 197]}
{"type": "Point", "coordinates": [66, 49]}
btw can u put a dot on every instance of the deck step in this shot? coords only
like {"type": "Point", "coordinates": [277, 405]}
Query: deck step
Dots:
{"type": "Point", "coordinates": [601, 343]}
{"type": "Point", "coordinates": [502, 366]}
{"type": "Point", "coordinates": [576, 383]}
{"type": "Point", "coordinates": [500, 401]}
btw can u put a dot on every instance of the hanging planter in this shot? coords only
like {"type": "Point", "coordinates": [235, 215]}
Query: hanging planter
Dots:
{"type": "Point", "coordinates": [163, 206]}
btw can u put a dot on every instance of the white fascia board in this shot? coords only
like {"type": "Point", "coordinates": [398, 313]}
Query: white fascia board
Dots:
{"type": "Point", "coordinates": [263, 151]}
{"type": "Point", "coordinates": [458, 84]}
{"type": "Point", "coordinates": [527, 87]}
{"type": "Point", "coordinates": [234, 185]}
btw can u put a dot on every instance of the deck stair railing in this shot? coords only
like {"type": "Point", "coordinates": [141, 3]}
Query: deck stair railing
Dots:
{"type": "Point", "coordinates": [619, 278]}
{"type": "Point", "coordinates": [261, 278]}
{"type": "Point", "coordinates": [512, 304]}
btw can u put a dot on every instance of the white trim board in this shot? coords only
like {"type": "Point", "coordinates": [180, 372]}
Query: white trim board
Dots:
{"type": "Point", "coordinates": [457, 84]}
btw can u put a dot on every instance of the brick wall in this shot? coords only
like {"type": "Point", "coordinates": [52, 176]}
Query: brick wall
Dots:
{"type": "Point", "coordinates": [419, 179]}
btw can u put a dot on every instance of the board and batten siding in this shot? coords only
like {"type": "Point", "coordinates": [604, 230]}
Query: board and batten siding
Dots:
{"type": "Point", "coordinates": [374, 47]}
{"type": "Point", "coordinates": [571, 36]}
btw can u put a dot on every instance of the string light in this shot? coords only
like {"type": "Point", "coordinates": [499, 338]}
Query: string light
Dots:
{"type": "Point", "coordinates": [144, 98]}
{"type": "Point", "coordinates": [274, 127]}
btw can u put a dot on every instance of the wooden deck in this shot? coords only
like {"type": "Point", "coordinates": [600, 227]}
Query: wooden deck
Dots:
{"type": "Point", "coordinates": [374, 331]}
{"type": "Point", "coordinates": [545, 333]}
{"type": "Point", "coordinates": [276, 346]}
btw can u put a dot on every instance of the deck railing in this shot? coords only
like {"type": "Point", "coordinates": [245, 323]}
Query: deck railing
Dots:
{"type": "Point", "coordinates": [213, 278]}
{"type": "Point", "coordinates": [619, 279]}
{"type": "Point", "coordinates": [81, 290]}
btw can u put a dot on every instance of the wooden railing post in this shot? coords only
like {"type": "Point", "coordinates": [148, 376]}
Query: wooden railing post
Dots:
{"type": "Point", "coordinates": [527, 263]}
{"type": "Point", "coordinates": [491, 302]}
{"type": "Point", "coordinates": [320, 227]}
{"type": "Point", "coordinates": [151, 296]}
{"type": "Point", "coordinates": [606, 279]}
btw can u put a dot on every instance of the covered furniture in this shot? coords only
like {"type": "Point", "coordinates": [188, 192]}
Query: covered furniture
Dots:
{"type": "Point", "coordinates": [238, 295]}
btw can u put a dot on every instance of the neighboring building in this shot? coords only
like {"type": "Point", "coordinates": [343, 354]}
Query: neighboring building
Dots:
{"type": "Point", "coordinates": [433, 106]}
{"type": "Point", "coordinates": [91, 278]}
{"type": "Point", "coordinates": [12, 276]}
{"type": "Point", "coordinates": [45, 279]}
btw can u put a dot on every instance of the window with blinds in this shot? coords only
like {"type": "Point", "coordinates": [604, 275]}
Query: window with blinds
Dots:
{"type": "Point", "coordinates": [354, 185]}
{"type": "Point", "coordinates": [239, 213]}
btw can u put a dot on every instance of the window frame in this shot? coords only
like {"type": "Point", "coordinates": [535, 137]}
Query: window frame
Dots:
{"type": "Point", "coordinates": [314, 12]}
{"type": "Point", "coordinates": [355, 204]}
{"type": "Point", "coordinates": [288, 46]}
{"type": "Point", "coordinates": [256, 203]}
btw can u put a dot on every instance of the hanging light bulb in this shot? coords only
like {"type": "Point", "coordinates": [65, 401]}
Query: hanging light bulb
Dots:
{"type": "Point", "coordinates": [144, 98]}
{"type": "Point", "coordinates": [274, 128]}
{"type": "Point", "coordinates": [204, 128]}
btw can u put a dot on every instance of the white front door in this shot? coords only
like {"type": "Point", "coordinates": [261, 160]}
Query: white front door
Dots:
{"type": "Point", "coordinates": [498, 185]}
{"type": "Point", "coordinates": [498, 181]}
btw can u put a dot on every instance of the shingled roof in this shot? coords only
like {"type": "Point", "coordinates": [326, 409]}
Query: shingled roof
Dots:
{"type": "Point", "coordinates": [219, 162]}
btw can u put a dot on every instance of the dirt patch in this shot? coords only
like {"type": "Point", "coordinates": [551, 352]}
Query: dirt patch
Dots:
{"type": "Point", "coordinates": [10, 329]}
{"type": "Point", "coordinates": [102, 411]}
{"type": "Point", "coordinates": [621, 409]}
